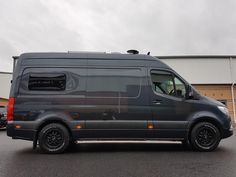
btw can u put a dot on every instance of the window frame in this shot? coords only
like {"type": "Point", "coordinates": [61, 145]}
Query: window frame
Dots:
{"type": "Point", "coordinates": [173, 80]}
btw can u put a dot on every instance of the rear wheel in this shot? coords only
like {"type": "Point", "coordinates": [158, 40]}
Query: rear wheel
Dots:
{"type": "Point", "coordinates": [205, 136]}
{"type": "Point", "coordinates": [54, 138]}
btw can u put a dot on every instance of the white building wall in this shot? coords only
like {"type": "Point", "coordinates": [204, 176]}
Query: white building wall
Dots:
{"type": "Point", "coordinates": [234, 69]}
{"type": "Point", "coordinates": [203, 70]}
{"type": "Point", "coordinates": [5, 84]}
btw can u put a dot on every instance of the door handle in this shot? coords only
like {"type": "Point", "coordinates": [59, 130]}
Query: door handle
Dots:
{"type": "Point", "coordinates": [156, 102]}
{"type": "Point", "coordinates": [104, 114]}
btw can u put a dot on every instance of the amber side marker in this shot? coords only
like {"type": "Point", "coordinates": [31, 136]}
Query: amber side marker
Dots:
{"type": "Point", "coordinates": [18, 126]}
{"type": "Point", "coordinates": [150, 126]}
{"type": "Point", "coordinates": [78, 126]}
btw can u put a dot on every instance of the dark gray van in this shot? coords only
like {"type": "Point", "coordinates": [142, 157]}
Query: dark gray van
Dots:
{"type": "Point", "coordinates": [59, 98]}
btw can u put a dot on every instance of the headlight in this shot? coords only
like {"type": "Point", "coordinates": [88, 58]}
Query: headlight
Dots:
{"type": "Point", "coordinates": [223, 109]}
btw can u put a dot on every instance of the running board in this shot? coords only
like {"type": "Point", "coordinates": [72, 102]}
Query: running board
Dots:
{"type": "Point", "coordinates": [132, 142]}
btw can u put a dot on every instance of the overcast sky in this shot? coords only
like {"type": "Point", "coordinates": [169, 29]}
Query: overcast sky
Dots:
{"type": "Point", "coordinates": [163, 27]}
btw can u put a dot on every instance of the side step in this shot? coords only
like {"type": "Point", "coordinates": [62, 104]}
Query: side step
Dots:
{"type": "Point", "coordinates": [122, 141]}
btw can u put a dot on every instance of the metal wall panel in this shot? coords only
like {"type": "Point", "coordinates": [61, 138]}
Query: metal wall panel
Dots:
{"type": "Point", "coordinates": [203, 70]}
{"type": "Point", "coordinates": [5, 84]}
{"type": "Point", "coordinates": [234, 69]}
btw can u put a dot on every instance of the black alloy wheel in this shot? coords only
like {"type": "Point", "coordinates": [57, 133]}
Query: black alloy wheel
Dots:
{"type": "Point", "coordinates": [54, 138]}
{"type": "Point", "coordinates": [205, 136]}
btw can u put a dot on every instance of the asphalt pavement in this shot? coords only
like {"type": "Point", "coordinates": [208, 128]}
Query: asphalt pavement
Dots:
{"type": "Point", "coordinates": [18, 159]}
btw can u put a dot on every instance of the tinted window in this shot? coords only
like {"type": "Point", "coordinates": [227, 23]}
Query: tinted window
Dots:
{"type": "Point", "coordinates": [113, 82]}
{"type": "Point", "coordinates": [47, 82]}
{"type": "Point", "coordinates": [72, 81]}
{"type": "Point", "coordinates": [166, 83]}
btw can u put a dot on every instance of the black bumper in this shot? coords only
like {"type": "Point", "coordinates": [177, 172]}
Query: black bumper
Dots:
{"type": "Point", "coordinates": [26, 132]}
{"type": "Point", "coordinates": [227, 133]}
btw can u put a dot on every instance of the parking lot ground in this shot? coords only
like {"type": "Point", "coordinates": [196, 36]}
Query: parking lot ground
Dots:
{"type": "Point", "coordinates": [18, 159]}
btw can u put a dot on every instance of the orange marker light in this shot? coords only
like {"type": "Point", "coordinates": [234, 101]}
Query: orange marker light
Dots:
{"type": "Point", "coordinates": [150, 126]}
{"type": "Point", "coordinates": [78, 126]}
{"type": "Point", "coordinates": [18, 126]}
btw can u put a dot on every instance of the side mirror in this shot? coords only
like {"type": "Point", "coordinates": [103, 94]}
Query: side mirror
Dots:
{"type": "Point", "coordinates": [189, 92]}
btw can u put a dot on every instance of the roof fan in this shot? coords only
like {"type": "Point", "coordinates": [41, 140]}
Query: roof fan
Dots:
{"type": "Point", "coordinates": [132, 51]}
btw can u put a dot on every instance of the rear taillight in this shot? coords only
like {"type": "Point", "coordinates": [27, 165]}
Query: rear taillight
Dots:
{"type": "Point", "coordinates": [10, 109]}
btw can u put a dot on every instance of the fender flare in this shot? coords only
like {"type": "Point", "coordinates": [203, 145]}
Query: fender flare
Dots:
{"type": "Point", "coordinates": [50, 117]}
{"type": "Point", "coordinates": [204, 116]}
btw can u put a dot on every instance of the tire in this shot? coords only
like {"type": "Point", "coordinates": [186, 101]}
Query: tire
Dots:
{"type": "Point", "coordinates": [54, 138]}
{"type": "Point", "coordinates": [205, 137]}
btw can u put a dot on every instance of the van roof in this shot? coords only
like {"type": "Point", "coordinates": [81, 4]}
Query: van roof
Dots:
{"type": "Point", "coordinates": [87, 55]}
{"type": "Point", "coordinates": [97, 59]}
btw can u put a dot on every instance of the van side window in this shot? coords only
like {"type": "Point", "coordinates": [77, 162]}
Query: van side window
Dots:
{"type": "Point", "coordinates": [162, 82]}
{"type": "Point", "coordinates": [47, 82]}
{"type": "Point", "coordinates": [180, 88]}
{"type": "Point", "coordinates": [166, 83]}
{"type": "Point", "coordinates": [113, 82]}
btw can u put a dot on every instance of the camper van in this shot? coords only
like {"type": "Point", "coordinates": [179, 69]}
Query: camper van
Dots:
{"type": "Point", "coordinates": [58, 99]}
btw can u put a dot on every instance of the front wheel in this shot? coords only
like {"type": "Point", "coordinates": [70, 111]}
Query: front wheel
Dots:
{"type": "Point", "coordinates": [54, 138]}
{"type": "Point", "coordinates": [205, 136]}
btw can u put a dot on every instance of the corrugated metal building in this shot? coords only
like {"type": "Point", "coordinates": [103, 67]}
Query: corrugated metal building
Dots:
{"type": "Point", "coordinates": [5, 83]}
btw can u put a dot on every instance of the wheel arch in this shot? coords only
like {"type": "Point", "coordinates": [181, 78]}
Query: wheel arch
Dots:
{"type": "Point", "coordinates": [49, 121]}
{"type": "Point", "coordinates": [212, 120]}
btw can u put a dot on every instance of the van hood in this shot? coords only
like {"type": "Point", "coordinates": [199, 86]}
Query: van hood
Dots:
{"type": "Point", "coordinates": [212, 101]}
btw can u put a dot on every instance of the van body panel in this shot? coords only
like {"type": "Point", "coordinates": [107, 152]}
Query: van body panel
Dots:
{"type": "Point", "coordinates": [104, 96]}
{"type": "Point", "coordinates": [119, 103]}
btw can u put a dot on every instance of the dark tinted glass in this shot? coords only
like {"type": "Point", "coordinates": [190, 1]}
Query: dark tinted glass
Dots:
{"type": "Point", "coordinates": [47, 82]}
{"type": "Point", "coordinates": [113, 82]}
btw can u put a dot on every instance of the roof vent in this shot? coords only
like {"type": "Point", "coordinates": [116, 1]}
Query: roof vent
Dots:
{"type": "Point", "coordinates": [132, 51]}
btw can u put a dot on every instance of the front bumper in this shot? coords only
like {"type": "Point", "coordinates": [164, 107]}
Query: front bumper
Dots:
{"type": "Point", "coordinates": [26, 132]}
{"type": "Point", "coordinates": [228, 132]}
